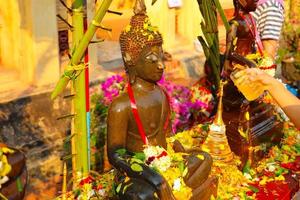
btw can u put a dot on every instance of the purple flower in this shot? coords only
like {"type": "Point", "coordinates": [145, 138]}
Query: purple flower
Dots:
{"type": "Point", "coordinates": [112, 87]}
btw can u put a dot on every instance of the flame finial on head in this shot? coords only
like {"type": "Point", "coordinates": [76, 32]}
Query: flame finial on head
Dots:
{"type": "Point", "coordinates": [139, 7]}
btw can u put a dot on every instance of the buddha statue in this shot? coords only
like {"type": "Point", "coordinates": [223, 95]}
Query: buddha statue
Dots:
{"type": "Point", "coordinates": [141, 116]}
{"type": "Point", "coordinates": [255, 118]}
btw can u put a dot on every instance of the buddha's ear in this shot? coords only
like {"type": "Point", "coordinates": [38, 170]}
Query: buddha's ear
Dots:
{"type": "Point", "coordinates": [127, 58]}
{"type": "Point", "coordinates": [131, 75]}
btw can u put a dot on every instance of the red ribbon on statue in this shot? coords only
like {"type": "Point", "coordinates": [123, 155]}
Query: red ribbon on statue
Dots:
{"type": "Point", "coordinates": [137, 116]}
{"type": "Point", "coordinates": [253, 30]}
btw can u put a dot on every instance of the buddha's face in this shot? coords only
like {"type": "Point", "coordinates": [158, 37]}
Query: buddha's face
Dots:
{"type": "Point", "coordinates": [248, 5]}
{"type": "Point", "coordinates": [149, 65]}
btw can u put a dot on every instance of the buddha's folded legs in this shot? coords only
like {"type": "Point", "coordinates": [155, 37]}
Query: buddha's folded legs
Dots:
{"type": "Point", "coordinates": [199, 166]}
{"type": "Point", "coordinates": [137, 189]}
{"type": "Point", "coordinates": [206, 190]}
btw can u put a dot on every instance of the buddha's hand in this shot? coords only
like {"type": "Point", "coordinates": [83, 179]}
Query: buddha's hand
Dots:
{"type": "Point", "coordinates": [199, 166]}
{"type": "Point", "coordinates": [164, 191]}
{"type": "Point", "coordinates": [177, 146]}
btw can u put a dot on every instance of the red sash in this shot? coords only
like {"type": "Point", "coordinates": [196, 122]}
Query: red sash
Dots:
{"type": "Point", "coordinates": [137, 116]}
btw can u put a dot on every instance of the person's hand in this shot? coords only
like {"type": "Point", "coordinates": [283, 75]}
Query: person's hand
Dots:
{"type": "Point", "coordinates": [255, 75]}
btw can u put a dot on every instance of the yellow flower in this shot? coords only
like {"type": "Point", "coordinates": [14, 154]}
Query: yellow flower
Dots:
{"type": "Point", "coordinates": [247, 116]}
{"type": "Point", "coordinates": [127, 29]}
{"type": "Point", "coordinates": [5, 168]}
{"type": "Point", "coordinates": [150, 37]}
{"type": "Point", "coordinates": [280, 178]}
{"type": "Point", "coordinates": [7, 150]}
{"type": "Point", "coordinates": [200, 156]}
{"type": "Point", "coordinates": [145, 26]}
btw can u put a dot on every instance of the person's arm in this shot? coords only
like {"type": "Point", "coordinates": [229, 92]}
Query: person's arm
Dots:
{"type": "Point", "coordinates": [116, 139]}
{"type": "Point", "coordinates": [289, 103]}
{"type": "Point", "coordinates": [270, 47]}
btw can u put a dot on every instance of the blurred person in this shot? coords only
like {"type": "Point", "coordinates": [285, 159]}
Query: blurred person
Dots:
{"type": "Point", "coordinates": [289, 103]}
{"type": "Point", "coordinates": [269, 16]}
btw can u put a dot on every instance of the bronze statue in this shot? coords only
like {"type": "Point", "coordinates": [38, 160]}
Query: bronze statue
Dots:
{"type": "Point", "coordinates": [242, 38]}
{"type": "Point", "coordinates": [262, 126]}
{"type": "Point", "coordinates": [141, 47]}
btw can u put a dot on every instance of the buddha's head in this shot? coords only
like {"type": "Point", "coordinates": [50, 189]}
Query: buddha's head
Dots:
{"type": "Point", "coordinates": [246, 5]}
{"type": "Point", "coordinates": [141, 47]}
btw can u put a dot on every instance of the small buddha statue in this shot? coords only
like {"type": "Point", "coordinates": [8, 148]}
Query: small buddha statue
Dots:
{"type": "Point", "coordinates": [261, 124]}
{"type": "Point", "coordinates": [141, 116]}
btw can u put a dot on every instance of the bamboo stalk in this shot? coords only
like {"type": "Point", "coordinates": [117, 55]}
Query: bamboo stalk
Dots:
{"type": "Point", "coordinates": [79, 101]}
{"type": "Point", "coordinates": [64, 185]}
{"type": "Point", "coordinates": [76, 58]}
{"type": "Point", "coordinates": [82, 45]}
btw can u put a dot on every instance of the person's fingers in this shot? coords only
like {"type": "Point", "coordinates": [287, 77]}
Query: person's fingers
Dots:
{"type": "Point", "coordinates": [242, 80]}
{"type": "Point", "coordinates": [238, 74]}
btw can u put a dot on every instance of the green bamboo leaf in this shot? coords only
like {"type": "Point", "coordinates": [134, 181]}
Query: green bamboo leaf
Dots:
{"type": "Point", "coordinates": [60, 86]}
{"type": "Point", "coordinates": [136, 167]}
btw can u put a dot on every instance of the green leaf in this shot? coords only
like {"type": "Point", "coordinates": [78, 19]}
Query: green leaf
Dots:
{"type": "Point", "coordinates": [205, 127]}
{"type": "Point", "coordinates": [140, 155]}
{"type": "Point", "coordinates": [253, 189]}
{"type": "Point", "coordinates": [297, 147]}
{"type": "Point", "coordinates": [181, 167]}
{"type": "Point", "coordinates": [135, 160]}
{"type": "Point", "coordinates": [286, 148]}
{"type": "Point", "coordinates": [121, 152]}
{"type": "Point", "coordinates": [155, 169]}
{"type": "Point", "coordinates": [247, 167]}
{"type": "Point", "coordinates": [279, 171]}
{"type": "Point", "coordinates": [19, 185]}
{"type": "Point", "coordinates": [125, 188]}
{"type": "Point", "coordinates": [119, 188]}
{"type": "Point", "coordinates": [136, 167]}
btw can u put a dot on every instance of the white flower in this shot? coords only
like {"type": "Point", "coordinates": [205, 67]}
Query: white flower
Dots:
{"type": "Point", "coordinates": [3, 180]}
{"type": "Point", "coordinates": [271, 168]}
{"type": "Point", "coordinates": [157, 157]}
{"type": "Point", "coordinates": [177, 184]}
{"type": "Point", "coordinates": [101, 192]}
{"type": "Point", "coordinates": [162, 163]}
{"type": "Point", "coordinates": [247, 176]}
